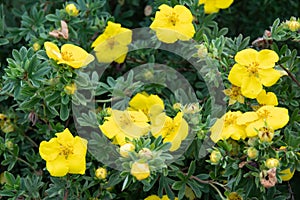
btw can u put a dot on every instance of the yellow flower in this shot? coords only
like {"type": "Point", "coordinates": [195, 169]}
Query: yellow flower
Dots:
{"type": "Point", "coordinates": [64, 154]}
{"type": "Point", "coordinates": [227, 127]}
{"type": "Point", "coordinates": [272, 162]}
{"type": "Point", "coordinates": [265, 134]}
{"type": "Point", "coordinates": [69, 54]}
{"type": "Point", "coordinates": [71, 10]}
{"type": "Point", "coordinates": [252, 152]}
{"type": "Point", "coordinates": [235, 95]}
{"type": "Point", "coordinates": [125, 124]}
{"type": "Point", "coordinates": [112, 44]}
{"type": "Point", "coordinates": [287, 174]}
{"type": "Point", "coordinates": [5, 124]}
{"type": "Point", "coordinates": [125, 148]}
{"type": "Point", "coordinates": [101, 173]}
{"type": "Point", "coordinates": [234, 196]}
{"type": "Point", "coordinates": [151, 104]}
{"type": "Point", "coordinates": [215, 156]}
{"type": "Point", "coordinates": [272, 117]}
{"type": "Point", "coordinates": [264, 98]}
{"type": "Point", "coordinates": [172, 130]}
{"type": "Point", "coordinates": [36, 46]}
{"type": "Point", "coordinates": [155, 197]}
{"type": "Point", "coordinates": [140, 170]}
{"type": "Point", "coordinates": [213, 6]}
{"type": "Point", "coordinates": [172, 24]}
{"type": "Point", "coordinates": [253, 70]}
{"type": "Point", "coordinates": [71, 88]}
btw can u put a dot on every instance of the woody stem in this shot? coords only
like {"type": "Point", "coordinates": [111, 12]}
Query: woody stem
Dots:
{"type": "Point", "coordinates": [290, 75]}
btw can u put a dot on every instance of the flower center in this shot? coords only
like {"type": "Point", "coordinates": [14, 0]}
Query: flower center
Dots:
{"type": "Point", "coordinates": [173, 18]}
{"type": "Point", "coordinates": [264, 114]}
{"type": "Point", "coordinates": [66, 150]}
{"type": "Point", "coordinates": [229, 119]}
{"type": "Point", "coordinates": [67, 56]}
{"type": "Point", "coordinates": [253, 69]}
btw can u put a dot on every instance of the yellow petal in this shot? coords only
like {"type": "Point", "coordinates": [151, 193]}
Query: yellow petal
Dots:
{"type": "Point", "coordinates": [210, 7]}
{"type": "Point", "coordinates": [287, 174]}
{"type": "Point", "coordinates": [140, 170]}
{"type": "Point", "coordinates": [216, 130]}
{"type": "Point", "coordinates": [75, 56]}
{"type": "Point", "coordinates": [52, 51]}
{"type": "Point", "coordinates": [166, 35]}
{"type": "Point", "coordinates": [152, 197]}
{"type": "Point", "coordinates": [236, 74]}
{"type": "Point", "coordinates": [58, 167]}
{"type": "Point", "coordinates": [251, 87]}
{"type": "Point", "coordinates": [65, 137]}
{"type": "Point", "coordinates": [80, 145]}
{"type": "Point", "coordinates": [269, 98]}
{"type": "Point", "coordinates": [184, 14]}
{"type": "Point", "coordinates": [223, 3]}
{"type": "Point", "coordinates": [109, 128]}
{"type": "Point", "coordinates": [76, 164]}
{"type": "Point", "coordinates": [49, 150]}
{"type": "Point", "coordinates": [266, 59]}
{"type": "Point", "coordinates": [268, 77]}
{"type": "Point", "coordinates": [247, 117]}
{"type": "Point", "coordinates": [185, 31]}
{"type": "Point", "coordinates": [252, 128]}
{"type": "Point", "coordinates": [246, 57]}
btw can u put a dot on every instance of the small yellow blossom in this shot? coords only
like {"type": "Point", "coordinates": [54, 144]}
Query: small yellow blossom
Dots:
{"type": "Point", "coordinates": [172, 130]}
{"type": "Point", "coordinates": [64, 154]}
{"type": "Point", "coordinates": [5, 124]}
{"type": "Point", "coordinates": [101, 173]}
{"type": "Point", "coordinates": [235, 95]}
{"type": "Point", "coordinates": [272, 117]}
{"type": "Point", "coordinates": [112, 44]}
{"type": "Point", "coordinates": [155, 197]}
{"type": "Point", "coordinates": [253, 70]}
{"type": "Point", "coordinates": [265, 134]}
{"type": "Point", "coordinates": [125, 124]}
{"type": "Point", "coordinates": [69, 54]}
{"type": "Point", "coordinates": [227, 127]}
{"type": "Point", "coordinates": [252, 152]}
{"type": "Point", "coordinates": [215, 156]}
{"type": "Point", "coordinates": [125, 148]}
{"type": "Point", "coordinates": [213, 6]}
{"type": "Point", "coordinates": [71, 88]}
{"type": "Point", "coordinates": [140, 170]}
{"type": "Point", "coordinates": [72, 10]}
{"type": "Point", "coordinates": [264, 98]}
{"type": "Point", "coordinates": [172, 24]}
{"type": "Point", "coordinates": [272, 162]}
{"type": "Point", "coordinates": [234, 196]}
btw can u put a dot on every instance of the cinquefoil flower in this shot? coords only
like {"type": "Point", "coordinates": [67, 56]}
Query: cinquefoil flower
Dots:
{"type": "Point", "coordinates": [235, 95]}
{"type": "Point", "coordinates": [253, 70]}
{"type": "Point", "coordinates": [112, 44]}
{"type": "Point", "coordinates": [227, 127]}
{"type": "Point", "coordinates": [155, 197]}
{"type": "Point", "coordinates": [172, 130]}
{"type": "Point", "coordinates": [69, 54]}
{"type": "Point", "coordinates": [172, 24]}
{"type": "Point", "coordinates": [125, 124]}
{"type": "Point", "coordinates": [64, 154]}
{"type": "Point", "coordinates": [213, 6]}
{"type": "Point", "coordinates": [270, 116]}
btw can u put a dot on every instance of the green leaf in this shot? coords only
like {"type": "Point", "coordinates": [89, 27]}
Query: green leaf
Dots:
{"type": "Point", "coordinates": [64, 112]}
{"type": "Point", "coordinates": [192, 168]}
{"type": "Point", "coordinates": [3, 41]}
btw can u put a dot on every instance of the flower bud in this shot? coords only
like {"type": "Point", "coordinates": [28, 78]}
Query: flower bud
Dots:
{"type": "Point", "coordinates": [252, 152]}
{"type": "Point", "coordinates": [202, 51]}
{"type": "Point", "coordinates": [234, 196]}
{"type": "Point", "coordinates": [140, 170]}
{"type": "Point", "coordinates": [145, 153]}
{"type": "Point", "coordinates": [101, 173]}
{"type": "Point", "coordinates": [70, 89]}
{"type": "Point", "coordinates": [9, 145]}
{"type": "Point", "coordinates": [72, 10]}
{"type": "Point", "coordinates": [36, 46]}
{"type": "Point", "coordinates": [124, 149]}
{"type": "Point", "coordinates": [293, 25]}
{"type": "Point", "coordinates": [215, 156]}
{"type": "Point", "coordinates": [272, 162]}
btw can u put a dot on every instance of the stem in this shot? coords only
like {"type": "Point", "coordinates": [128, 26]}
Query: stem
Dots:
{"type": "Point", "coordinates": [25, 162]}
{"type": "Point", "coordinates": [219, 192]}
{"type": "Point", "coordinates": [290, 75]}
